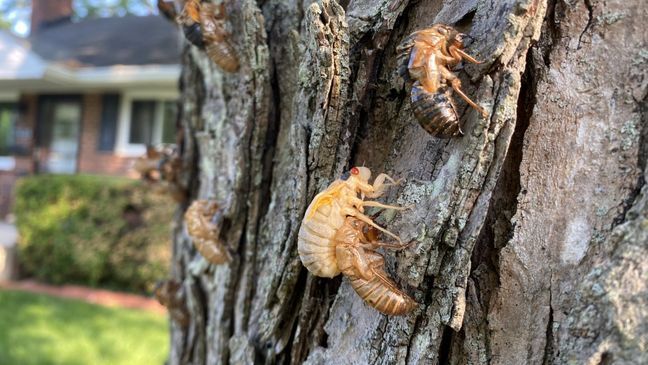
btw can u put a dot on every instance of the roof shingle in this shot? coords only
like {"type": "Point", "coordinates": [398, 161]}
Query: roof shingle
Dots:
{"type": "Point", "coordinates": [100, 42]}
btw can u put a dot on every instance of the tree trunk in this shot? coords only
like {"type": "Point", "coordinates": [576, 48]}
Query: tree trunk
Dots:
{"type": "Point", "coordinates": [531, 231]}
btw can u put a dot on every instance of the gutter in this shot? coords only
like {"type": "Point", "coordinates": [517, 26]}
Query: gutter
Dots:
{"type": "Point", "coordinates": [112, 75]}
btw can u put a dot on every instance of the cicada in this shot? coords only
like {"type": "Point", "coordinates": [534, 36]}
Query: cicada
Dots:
{"type": "Point", "coordinates": [204, 220]}
{"type": "Point", "coordinates": [337, 237]}
{"type": "Point", "coordinates": [170, 293]}
{"type": "Point", "coordinates": [161, 167]}
{"type": "Point", "coordinates": [167, 8]}
{"type": "Point", "coordinates": [427, 57]}
{"type": "Point", "coordinates": [217, 43]}
{"type": "Point", "coordinates": [327, 212]}
{"type": "Point", "coordinates": [204, 26]}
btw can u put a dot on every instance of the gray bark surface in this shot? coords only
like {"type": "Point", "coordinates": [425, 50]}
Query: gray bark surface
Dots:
{"type": "Point", "coordinates": [530, 232]}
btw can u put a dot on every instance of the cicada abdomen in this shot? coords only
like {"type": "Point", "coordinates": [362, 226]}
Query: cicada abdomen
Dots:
{"type": "Point", "coordinates": [436, 112]}
{"type": "Point", "coordinates": [217, 44]}
{"type": "Point", "coordinates": [223, 54]}
{"type": "Point", "coordinates": [204, 220]}
{"type": "Point", "coordinates": [381, 292]}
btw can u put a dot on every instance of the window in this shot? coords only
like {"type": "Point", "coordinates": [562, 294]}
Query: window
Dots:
{"type": "Point", "coordinates": [108, 126]}
{"type": "Point", "coordinates": [152, 122]}
{"type": "Point", "coordinates": [142, 122]}
{"type": "Point", "coordinates": [146, 118]}
{"type": "Point", "coordinates": [169, 122]}
{"type": "Point", "coordinates": [8, 116]}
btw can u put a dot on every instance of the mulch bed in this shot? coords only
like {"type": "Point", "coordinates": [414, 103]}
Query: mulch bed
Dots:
{"type": "Point", "coordinates": [95, 296]}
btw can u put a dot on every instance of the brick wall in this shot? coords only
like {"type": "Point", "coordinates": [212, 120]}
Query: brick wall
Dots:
{"type": "Point", "coordinates": [92, 161]}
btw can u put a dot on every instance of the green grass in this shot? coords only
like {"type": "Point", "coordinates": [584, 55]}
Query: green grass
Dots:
{"type": "Point", "coordinates": [41, 330]}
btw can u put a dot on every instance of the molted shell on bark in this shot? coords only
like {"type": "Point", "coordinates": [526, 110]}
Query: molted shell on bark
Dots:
{"type": "Point", "coordinates": [204, 220]}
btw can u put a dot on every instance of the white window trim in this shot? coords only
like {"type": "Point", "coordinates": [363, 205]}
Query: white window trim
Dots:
{"type": "Point", "coordinates": [123, 147]}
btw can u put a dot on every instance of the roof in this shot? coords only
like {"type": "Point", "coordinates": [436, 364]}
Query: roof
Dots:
{"type": "Point", "coordinates": [17, 61]}
{"type": "Point", "coordinates": [101, 42]}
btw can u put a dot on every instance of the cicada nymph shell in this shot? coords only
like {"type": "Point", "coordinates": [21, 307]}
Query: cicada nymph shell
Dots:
{"type": "Point", "coordinates": [189, 20]}
{"type": "Point", "coordinates": [204, 220]}
{"type": "Point", "coordinates": [327, 212]}
{"type": "Point", "coordinates": [170, 293]}
{"type": "Point", "coordinates": [162, 167]}
{"type": "Point", "coordinates": [148, 165]}
{"type": "Point", "coordinates": [217, 44]}
{"type": "Point", "coordinates": [337, 237]}
{"type": "Point", "coordinates": [357, 258]}
{"type": "Point", "coordinates": [203, 24]}
{"type": "Point", "coordinates": [426, 58]}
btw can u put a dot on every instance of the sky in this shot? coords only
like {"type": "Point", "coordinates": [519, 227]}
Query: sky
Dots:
{"type": "Point", "coordinates": [17, 12]}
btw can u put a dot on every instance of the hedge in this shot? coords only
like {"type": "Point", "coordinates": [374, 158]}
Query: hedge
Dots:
{"type": "Point", "coordinates": [93, 230]}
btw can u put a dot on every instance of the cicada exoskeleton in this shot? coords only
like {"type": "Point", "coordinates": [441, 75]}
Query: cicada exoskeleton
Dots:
{"type": "Point", "coordinates": [326, 214]}
{"type": "Point", "coordinates": [217, 43]}
{"type": "Point", "coordinates": [426, 57]}
{"type": "Point", "coordinates": [358, 260]}
{"type": "Point", "coordinates": [204, 220]}
{"type": "Point", "coordinates": [170, 293]}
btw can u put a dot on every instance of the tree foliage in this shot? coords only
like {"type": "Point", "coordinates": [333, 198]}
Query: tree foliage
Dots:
{"type": "Point", "coordinates": [16, 13]}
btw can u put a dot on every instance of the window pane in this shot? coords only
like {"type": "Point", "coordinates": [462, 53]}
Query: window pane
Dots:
{"type": "Point", "coordinates": [108, 127]}
{"type": "Point", "coordinates": [142, 121]}
{"type": "Point", "coordinates": [169, 122]}
{"type": "Point", "coordinates": [7, 128]}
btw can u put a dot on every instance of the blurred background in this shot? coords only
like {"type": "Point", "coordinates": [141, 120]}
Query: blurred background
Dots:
{"type": "Point", "coordinates": [85, 86]}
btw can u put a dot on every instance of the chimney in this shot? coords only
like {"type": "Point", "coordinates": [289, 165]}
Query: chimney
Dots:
{"type": "Point", "coordinates": [49, 12]}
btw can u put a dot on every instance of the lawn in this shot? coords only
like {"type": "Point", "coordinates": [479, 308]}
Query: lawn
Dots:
{"type": "Point", "coordinates": [42, 330]}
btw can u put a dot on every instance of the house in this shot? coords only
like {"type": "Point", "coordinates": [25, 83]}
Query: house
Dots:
{"type": "Point", "coordinates": [86, 96]}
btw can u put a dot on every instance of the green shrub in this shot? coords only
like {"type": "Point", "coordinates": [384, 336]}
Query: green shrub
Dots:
{"type": "Point", "coordinates": [93, 230]}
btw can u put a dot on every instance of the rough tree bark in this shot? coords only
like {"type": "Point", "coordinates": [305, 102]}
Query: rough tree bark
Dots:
{"type": "Point", "coordinates": [531, 230]}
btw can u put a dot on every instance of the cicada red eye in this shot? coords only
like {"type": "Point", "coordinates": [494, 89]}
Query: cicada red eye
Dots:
{"type": "Point", "coordinates": [355, 171]}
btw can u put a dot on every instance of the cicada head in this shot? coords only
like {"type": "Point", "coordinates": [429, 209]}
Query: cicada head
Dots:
{"type": "Point", "coordinates": [457, 40]}
{"type": "Point", "coordinates": [451, 35]}
{"type": "Point", "coordinates": [361, 173]}
{"type": "Point", "coordinates": [359, 179]}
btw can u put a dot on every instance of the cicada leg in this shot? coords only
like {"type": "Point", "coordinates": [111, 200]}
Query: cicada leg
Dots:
{"type": "Point", "coordinates": [379, 185]}
{"type": "Point", "coordinates": [370, 203]}
{"type": "Point", "coordinates": [369, 241]}
{"type": "Point", "coordinates": [393, 246]}
{"type": "Point", "coordinates": [354, 213]}
{"type": "Point", "coordinates": [461, 54]}
{"type": "Point", "coordinates": [456, 86]}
